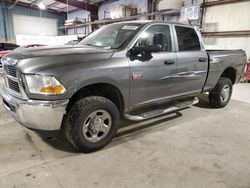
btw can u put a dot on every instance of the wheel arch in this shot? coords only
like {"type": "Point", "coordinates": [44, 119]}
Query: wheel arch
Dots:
{"type": "Point", "coordinates": [231, 73]}
{"type": "Point", "coordinates": [103, 89]}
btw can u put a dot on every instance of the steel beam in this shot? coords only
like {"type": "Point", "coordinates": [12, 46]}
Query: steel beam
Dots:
{"type": "Point", "coordinates": [227, 33]}
{"type": "Point", "coordinates": [222, 2]}
{"type": "Point", "coordinates": [8, 2]}
{"type": "Point", "coordinates": [98, 22]}
{"type": "Point", "coordinates": [80, 5]}
{"type": "Point", "coordinates": [53, 4]}
{"type": "Point", "coordinates": [35, 2]}
{"type": "Point", "coordinates": [13, 5]}
{"type": "Point", "coordinates": [68, 9]}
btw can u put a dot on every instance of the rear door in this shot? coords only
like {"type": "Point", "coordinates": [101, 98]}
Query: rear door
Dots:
{"type": "Point", "coordinates": [192, 61]}
{"type": "Point", "coordinates": [149, 79]}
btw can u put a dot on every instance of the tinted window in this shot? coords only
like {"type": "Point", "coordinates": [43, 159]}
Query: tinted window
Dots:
{"type": "Point", "coordinates": [147, 37]}
{"type": "Point", "coordinates": [187, 39]}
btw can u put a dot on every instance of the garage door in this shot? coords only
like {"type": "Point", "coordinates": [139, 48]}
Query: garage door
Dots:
{"type": "Point", "coordinates": [31, 25]}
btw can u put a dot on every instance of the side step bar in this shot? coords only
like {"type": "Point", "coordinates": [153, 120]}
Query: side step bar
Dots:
{"type": "Point", "coordinates": [154, 113]}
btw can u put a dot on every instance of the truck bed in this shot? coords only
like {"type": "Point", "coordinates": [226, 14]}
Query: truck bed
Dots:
{"type": "Point", "coordinates": [219, 60]}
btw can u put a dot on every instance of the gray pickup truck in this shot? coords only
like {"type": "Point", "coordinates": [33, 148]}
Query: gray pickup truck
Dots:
{"type": "Point", "coordinates": [136, 70]}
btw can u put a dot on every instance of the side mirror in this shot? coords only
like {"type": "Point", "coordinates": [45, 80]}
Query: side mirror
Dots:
{"type": "Point", "coordinates": [145, 49]}
{"type": "Point", "coordinates": [159, 45]}
{"type": "Point", "coordinates": [142, 53]}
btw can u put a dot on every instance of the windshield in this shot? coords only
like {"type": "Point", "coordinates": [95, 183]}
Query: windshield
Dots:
{"type": "Point", "coordinates": [111, 36]}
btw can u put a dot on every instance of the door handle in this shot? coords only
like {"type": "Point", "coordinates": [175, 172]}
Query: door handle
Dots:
{"type": "Point", "coordinates": [169, 62]}
{"type": "Point", "coordinates": [202, 59]}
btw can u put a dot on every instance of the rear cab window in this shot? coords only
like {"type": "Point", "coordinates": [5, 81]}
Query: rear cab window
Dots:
{"type": "Point", "coordinates": [187, 39]}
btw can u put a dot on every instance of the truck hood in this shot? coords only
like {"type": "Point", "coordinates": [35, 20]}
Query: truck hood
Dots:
{"type": "Point", "coordinates": [33, 60]}
{"type": "Point", "coordinates": [24, 53]}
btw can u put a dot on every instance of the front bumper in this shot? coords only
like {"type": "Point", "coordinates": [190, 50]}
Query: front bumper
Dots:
{"type": "Point", "coordinates": [35, 114]}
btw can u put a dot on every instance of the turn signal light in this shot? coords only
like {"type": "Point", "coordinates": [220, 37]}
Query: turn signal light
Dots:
{"type": "Point", "coordinates": [52, 90]}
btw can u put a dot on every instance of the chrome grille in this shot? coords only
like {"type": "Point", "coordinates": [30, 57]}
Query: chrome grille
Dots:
{"type": "Point", "coordinates": [13, 85]}
{"type": "Point", "coordinates": [10, 70]}
{"type": "Point", "coordinates": [11, 76]}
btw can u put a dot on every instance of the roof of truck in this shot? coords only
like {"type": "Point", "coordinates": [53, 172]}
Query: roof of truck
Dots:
{"type": "Point", "coordinates": [154, 21]}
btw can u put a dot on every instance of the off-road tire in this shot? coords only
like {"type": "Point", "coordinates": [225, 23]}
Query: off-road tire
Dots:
{"type": "Point", "coordinates": [74, 119]}
{"type": "Point", "coordinates": [215, 95]}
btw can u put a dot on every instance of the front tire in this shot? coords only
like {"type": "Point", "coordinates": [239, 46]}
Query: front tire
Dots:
{"type": "Point", "coordinates": [91, 123]}
{"type": "Point", "coordinates": [220, 96]}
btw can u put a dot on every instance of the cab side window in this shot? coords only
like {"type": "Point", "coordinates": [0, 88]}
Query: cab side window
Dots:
{"type": "Point", "coordinates": [147, 37]}
{"type": "Point", "coordinates": [187, 39]}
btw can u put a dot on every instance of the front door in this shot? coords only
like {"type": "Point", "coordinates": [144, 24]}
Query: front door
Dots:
{"type": "Point", "coordinates": [150, 80]}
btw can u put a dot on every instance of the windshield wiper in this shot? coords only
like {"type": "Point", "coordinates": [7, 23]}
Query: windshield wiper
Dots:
{"type": "Point", "coordinates": [104, 47]}
{"type": "Point", "coordinates": [93, 45]}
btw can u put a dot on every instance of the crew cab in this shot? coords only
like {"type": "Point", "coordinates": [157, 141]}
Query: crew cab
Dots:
{"type": "Point", "coordinates": [136, 70]}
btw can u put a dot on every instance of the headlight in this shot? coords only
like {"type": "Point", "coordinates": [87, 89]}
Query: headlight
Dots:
{"type": "Point", "coordinates": [42, 84]}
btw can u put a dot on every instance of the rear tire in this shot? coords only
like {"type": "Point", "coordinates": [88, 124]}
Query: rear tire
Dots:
{"type": "Point", "coordinates": [220, 96]}
{"type": "Point", "coordinates": [91, 123]}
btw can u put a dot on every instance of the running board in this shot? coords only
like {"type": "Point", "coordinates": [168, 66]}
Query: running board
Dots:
{"type": "Point", "coordinates": [154, 113]}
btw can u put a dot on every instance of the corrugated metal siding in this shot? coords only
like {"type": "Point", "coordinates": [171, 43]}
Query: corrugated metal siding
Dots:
{"type": "Point", "coordinates": [1, 24]}
{"type": "Point", "coordinates": [228, 17]}
{"type": "Point", "coordinates": [24, 11]}
{"type": "Point", "coordinates": [9, 24]}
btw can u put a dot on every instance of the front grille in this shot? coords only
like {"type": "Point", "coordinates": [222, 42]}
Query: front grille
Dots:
{"type": "Point", "coordinates": [13, 85]}
{"type": "Point", "coordinates": [11, 75]}
{"type": "Point", "coordinates": [10, 70]}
